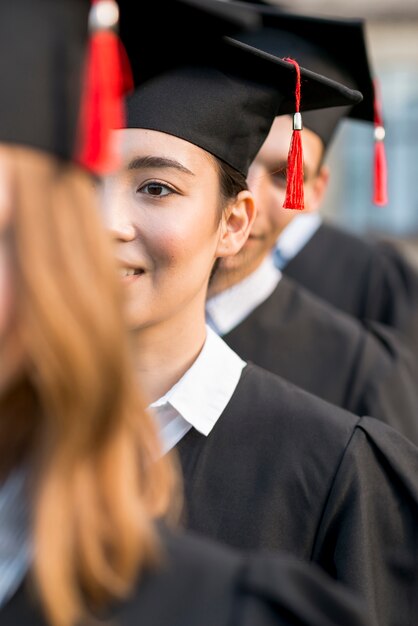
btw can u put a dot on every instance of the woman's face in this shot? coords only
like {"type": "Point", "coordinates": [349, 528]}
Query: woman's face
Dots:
{"type": "Point", "coordinates": [9, 349]}
{"type": "Point", "coordinates": [163, 211]}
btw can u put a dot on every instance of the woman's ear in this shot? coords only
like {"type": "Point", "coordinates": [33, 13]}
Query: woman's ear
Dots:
{"type": "Point", "coordinates": [237, 222]}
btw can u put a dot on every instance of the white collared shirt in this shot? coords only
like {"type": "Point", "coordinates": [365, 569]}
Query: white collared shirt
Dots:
{"type": "Point", "coordinates": [15, 554]}
{"type": "Point", "coordinates": [294, 237]}
{"type": "Point", "coordinates": [230, 307]}
{"type": "Point", "coordinates": [198, 399]}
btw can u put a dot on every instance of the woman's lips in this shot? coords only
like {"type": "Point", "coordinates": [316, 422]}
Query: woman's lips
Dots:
{"type": "Point", "coordinates": [129, 274]}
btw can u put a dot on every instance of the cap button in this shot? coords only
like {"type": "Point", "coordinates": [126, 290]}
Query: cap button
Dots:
{"type": "Point", "coordinates": [104, 15]}
{"type": "Point", "coordinates": [379, 133]}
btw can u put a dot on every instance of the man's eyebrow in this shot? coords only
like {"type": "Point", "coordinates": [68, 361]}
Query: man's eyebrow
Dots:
{"type": "Point", "coordinates": [281, 168]}
{"type": "Point", "coordinates": [151, 161]}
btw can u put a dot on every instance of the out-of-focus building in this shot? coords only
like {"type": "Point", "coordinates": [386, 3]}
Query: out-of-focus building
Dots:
{"type": "Point", "coordinates": [380, 9]}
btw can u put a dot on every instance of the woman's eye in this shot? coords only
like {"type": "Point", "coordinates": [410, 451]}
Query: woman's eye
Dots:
{"type": "Point", "coordinates": [155, 189]}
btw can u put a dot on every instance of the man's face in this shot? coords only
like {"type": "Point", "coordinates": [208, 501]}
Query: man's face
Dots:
{"type": "Point", "coordinates": [267, 181]}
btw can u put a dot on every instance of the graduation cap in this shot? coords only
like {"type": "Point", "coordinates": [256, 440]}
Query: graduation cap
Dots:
{"type": "Point", "coordinates": [61, 77]}
{"type": "Point", "coordinates": [336, 48]}
{"type": "Point", "coordinates": [215, 92]}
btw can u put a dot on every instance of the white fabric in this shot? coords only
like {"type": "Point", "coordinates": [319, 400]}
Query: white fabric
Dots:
{"type": "Point", "coordinates": [198, 399]}
{"type": "Point", "coordinates": [230, 307]}
{"type": "Point", "coordinates": [295, 236]}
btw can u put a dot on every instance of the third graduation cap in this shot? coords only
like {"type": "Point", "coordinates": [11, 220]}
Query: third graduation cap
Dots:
{"type": "Point", "coordinates": [335, 47]}
{"type": "Point", "coordinates": [215, 92]}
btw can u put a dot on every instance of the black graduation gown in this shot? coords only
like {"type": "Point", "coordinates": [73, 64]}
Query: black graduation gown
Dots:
{"type": "Point", "coordinates": [366, 369]}
{"type": "Point", "coordinates": [203, 584]}
{"type": "Point", "coordinates": [285, 470]}
{"type": "Point", "coordinates": [365, 279]}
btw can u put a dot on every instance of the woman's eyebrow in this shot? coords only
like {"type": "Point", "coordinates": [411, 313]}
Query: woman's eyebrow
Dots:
{"type": "Point", "coordinates": [152, 161]}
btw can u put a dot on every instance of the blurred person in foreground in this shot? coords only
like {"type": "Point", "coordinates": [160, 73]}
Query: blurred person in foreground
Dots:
{"type": "Point", "coordinates": [82, 478]}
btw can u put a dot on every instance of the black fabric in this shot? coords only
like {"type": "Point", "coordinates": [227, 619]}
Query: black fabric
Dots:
{"type": "Point", "coordinates": [219, 94]}
{"type": "Point", "coordinates": [195, 21]}
{"type": "Point", "coordinates": [367, 280]}
{"type": "Point", "coordinates": [335, 47]}
{"type": "Point", "coordinates": [366, 370]}
{"type": "Point", "coordinates": [285, 470]}
{"type": "Point", "coordinates": [43, 56]}
{"type": "Point", "coordinates": [201, 584]}
{"type": "Point", "coordinates": [43, 51]}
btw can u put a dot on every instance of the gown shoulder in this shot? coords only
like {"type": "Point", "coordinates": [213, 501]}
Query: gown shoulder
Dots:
{"type": "Point", "coordinates": [198, 582]}
{"type": "Point", "coordinates": [205, 583]}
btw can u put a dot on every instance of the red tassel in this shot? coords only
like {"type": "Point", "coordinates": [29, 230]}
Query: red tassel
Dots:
{"type": "Point", "coordinates": [107, 79]}
{"type": "Point", "coordinates": [380, 197]}
{"type": "Point", "coordinates": [294, 186]}
{"type": "Point", "coordinates": [380, 193]}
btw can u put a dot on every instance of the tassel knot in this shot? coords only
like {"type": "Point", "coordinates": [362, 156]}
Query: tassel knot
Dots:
{"type": "Point", "coordinates": [104, 15]}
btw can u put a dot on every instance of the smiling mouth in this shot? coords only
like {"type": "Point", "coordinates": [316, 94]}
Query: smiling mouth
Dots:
{"type": "Point", "coordinates": [130, 273]}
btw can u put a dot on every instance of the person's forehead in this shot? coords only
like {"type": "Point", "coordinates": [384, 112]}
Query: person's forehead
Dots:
{"type": "Point", "coordinates": [275, 149]}
{"type": "Point", "coordinates": [276, 146]}
{"type": "Point", "coordinates": [134, 144]}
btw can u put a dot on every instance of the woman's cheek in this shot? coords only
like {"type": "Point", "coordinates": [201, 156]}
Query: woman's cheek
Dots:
{"type": "Point", "coordinates": [169, 245]}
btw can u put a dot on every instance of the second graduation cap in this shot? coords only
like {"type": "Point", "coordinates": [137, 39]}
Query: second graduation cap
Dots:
{"type": "Point", "coordinates": [335, 47]}
{"type": "Point", "coordinates": [215, 92]}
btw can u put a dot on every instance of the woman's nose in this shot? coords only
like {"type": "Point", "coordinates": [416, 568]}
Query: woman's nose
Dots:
{"type": "Point", "coordinates": [121, 230]}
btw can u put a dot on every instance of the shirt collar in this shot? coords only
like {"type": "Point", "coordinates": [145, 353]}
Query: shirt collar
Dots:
{"type": "Point", "coordinates": [230, 307]}
{"type": "Point", "coordinates": [295, 236]}
{"type": "Point", "coordinates": [203, 392]}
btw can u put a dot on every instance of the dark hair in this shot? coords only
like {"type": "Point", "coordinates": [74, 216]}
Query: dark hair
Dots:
{"type": "Point", "coordinates": [231, 182]}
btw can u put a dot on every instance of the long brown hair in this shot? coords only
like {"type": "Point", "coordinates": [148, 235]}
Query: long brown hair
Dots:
{"type": "Point", "coordinates": [97, 475]}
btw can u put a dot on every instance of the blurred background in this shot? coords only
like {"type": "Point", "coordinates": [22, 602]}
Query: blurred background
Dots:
{"type": "Point", "coordinates": [392, 36]}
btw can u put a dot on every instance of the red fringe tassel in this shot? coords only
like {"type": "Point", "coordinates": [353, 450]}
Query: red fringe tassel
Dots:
{"type": "Point", "coordinates": [294, 184]}
{"type": "Point", "coordinates": [107, 79]}
{"type": "Point", "coordinates": [380, 195]}
{"type": "Point", "coordinates": [380, 183]}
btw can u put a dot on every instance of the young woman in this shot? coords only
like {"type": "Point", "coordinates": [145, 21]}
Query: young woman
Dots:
{"type": "Point", "coordinates": [265, 464]}
{"type": "Point", "coordinates": [82, 478]}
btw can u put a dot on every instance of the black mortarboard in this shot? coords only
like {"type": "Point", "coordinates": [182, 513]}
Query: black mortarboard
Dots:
{"type": "Point", "coordinates": [61, 77]}
{"type": "Point", "coordinates": [42, 52]}
{"type": "Point", "coordinates": [219, 94]}
{"type": "Point", "coordinates": [334, 47]}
